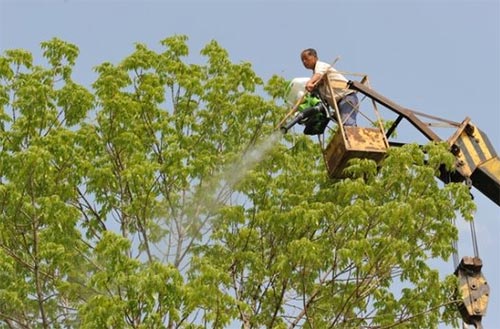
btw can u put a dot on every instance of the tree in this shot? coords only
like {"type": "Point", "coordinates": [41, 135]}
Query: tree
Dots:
{"type": "Point", "coordinates": [161, 196]}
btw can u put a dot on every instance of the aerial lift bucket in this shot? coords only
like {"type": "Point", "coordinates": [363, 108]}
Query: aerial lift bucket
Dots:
{"type": "Point", "coordinates": [351, 142]}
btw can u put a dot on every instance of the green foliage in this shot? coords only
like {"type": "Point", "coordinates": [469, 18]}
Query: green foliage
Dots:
{"type": "Point", "coordinates": [161, 197]}
{"type": "Point", "coordinates": [336, 251]}
{"type": "Point", "coordinates": [129, 292]}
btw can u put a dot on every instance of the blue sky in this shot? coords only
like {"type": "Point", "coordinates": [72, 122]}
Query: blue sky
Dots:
{"type": "Point", "coordinates": [438, 57]}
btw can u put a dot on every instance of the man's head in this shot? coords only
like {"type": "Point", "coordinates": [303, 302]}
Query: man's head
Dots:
{"type": "Point", "coordinates": [309, 58]}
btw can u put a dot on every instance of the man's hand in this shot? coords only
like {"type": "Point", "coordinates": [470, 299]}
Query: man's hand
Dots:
{"type": "Point", "coordinates": [310, 85]}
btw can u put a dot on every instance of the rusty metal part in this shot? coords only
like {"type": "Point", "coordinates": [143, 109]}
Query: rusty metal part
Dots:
{"type": "Point", "coordinates": [473, 290]}
{"type": "Point", "coordinates": [356, 142]}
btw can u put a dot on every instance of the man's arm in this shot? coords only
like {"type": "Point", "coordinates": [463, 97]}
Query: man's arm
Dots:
{"type": "Point", "coordinates": [319, 71]}
{"type": "Point", "coordinates": [311, 84]}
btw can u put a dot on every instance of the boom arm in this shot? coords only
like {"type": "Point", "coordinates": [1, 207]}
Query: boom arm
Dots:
{"type": "Point", "coordinates": [477, 162]}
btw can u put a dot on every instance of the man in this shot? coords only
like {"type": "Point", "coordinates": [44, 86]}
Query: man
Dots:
{"type": "Point", "coordinates": [346, 99]}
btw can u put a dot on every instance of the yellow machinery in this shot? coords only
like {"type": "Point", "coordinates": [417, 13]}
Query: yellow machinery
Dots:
{"type": "Point", "coordinates": [473, 289]}
{"type": "Point", "coordinates": [476, 160]}
{"type": "Point", "coordinates": [477, 164]}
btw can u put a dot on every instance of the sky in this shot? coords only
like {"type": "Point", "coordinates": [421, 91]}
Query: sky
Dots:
{"type": "Point", "coordinates": [440, 57]}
